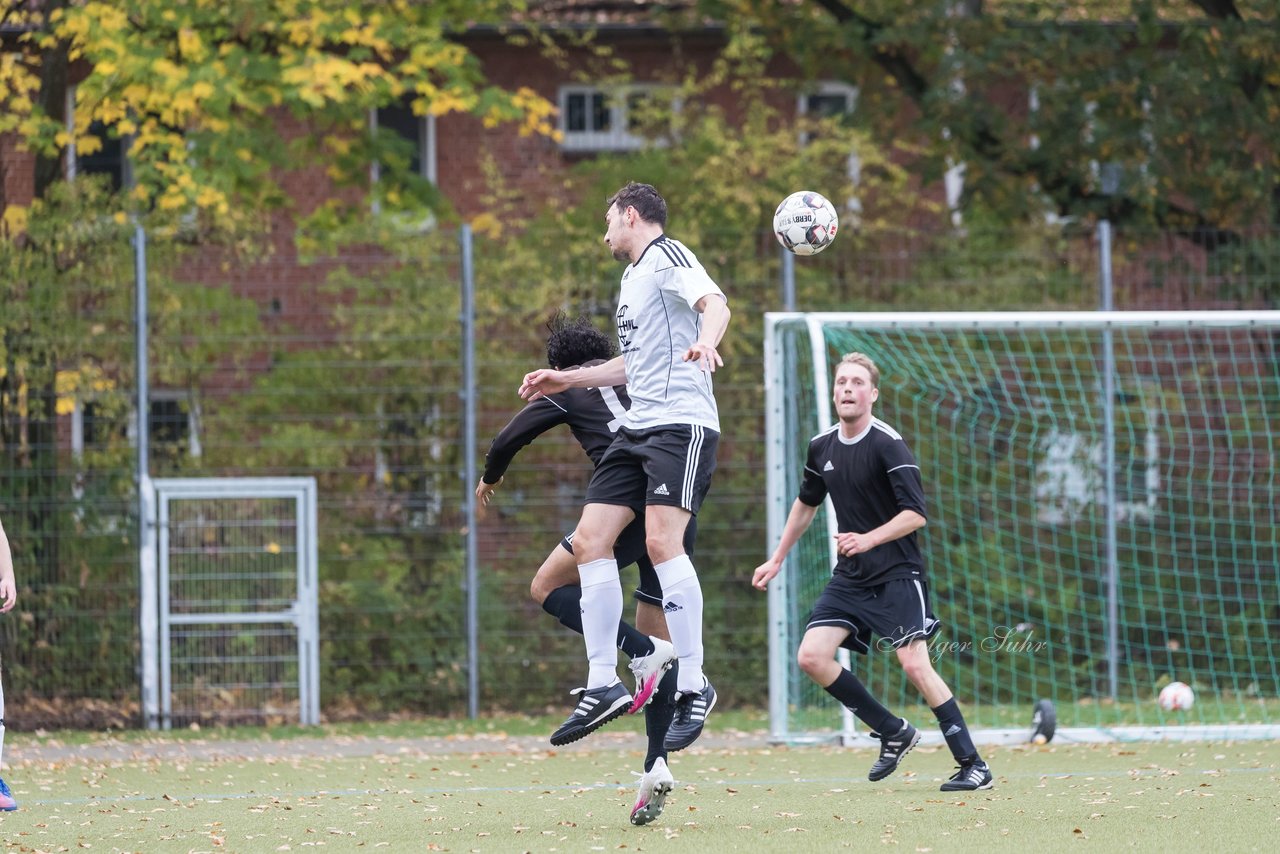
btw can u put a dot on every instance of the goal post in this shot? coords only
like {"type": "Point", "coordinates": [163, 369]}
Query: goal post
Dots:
{"type": "Point", "coordinates": [1102, 500]}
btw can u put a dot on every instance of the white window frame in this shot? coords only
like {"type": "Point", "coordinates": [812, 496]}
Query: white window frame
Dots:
{"type": "Point", "coordinates": [618, 137]}
{"type": "Point", "coordinates": [194, 447]}
{"type": "Point", "coordinates": [427, 152]}
{"type": "Point", "coordinates": [828, 89]}
{"type": "Point", "coordinates": [837, 88]}
{"type": "Point", "coordinates": [71, 160]}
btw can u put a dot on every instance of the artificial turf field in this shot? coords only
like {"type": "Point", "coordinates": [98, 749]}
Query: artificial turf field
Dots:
{"type": "Point", "coordinates": [493, 792]}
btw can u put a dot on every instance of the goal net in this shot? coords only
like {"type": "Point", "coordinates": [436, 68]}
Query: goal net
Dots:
{"type": "Point", "coordinates": [1103, 508]}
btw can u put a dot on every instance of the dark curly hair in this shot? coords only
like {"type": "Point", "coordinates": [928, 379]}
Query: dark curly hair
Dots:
{"type": "Point", "coordinates": [576, 341]}
{"type": "Point", "coordinates": [644, 198]}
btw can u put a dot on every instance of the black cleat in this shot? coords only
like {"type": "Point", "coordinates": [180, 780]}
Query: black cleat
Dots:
{"type": "Point", "coordinates": [970, 777]}
{"type": "Point", "coordinates": [692, 708]}
{"type": "Point", "coordinates": [892, 749]}
{"type": "Point", "coordinates": [596, 708]}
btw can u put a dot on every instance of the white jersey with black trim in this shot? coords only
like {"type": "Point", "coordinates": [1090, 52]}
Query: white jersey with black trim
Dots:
{"type": "Point", "coordinates": [656, 325]}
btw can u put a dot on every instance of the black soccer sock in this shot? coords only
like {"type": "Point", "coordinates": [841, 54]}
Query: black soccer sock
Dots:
{"type": "Point", "coordinates": [658, 715]}
{"type": "Point", "coordinates": [850, 691]}
{"type": "Point", "coordinates": [956, 731]}
{"type": "Point", "coordinates": [565, 604]}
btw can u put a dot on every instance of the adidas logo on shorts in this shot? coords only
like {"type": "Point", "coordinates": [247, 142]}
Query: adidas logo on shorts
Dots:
{"type": "Point", "coordinates": [661, 490]}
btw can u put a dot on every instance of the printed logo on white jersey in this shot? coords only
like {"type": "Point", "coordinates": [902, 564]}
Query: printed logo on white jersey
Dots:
{"type": "Point", "coordinates": [626, 327]}
{"type": "Point", "coordinates": [661, 490]}
{"type": "Point", "coordinates": [828, 466]}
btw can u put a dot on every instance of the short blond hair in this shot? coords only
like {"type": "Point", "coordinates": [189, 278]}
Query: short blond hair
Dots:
{"type": "Point", "coordinates": [865, 361]}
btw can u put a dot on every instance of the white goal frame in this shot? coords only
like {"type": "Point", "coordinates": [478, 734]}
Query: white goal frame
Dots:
{"type": "Point", "coordinates": [782, 454]}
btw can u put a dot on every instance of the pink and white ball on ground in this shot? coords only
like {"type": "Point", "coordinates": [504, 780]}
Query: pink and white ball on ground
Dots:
{"type": "Point", "coordinates": [1176, 697]}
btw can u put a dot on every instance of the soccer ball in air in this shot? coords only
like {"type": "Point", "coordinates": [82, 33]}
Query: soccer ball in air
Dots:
{"type": "Point", "coordinates": [805, 222]}
{"type": "Point", "coordinates": [1176, 697]}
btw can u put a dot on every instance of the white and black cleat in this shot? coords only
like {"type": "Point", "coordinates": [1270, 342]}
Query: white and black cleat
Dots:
{"type": "Point", "coordinates": [892, 749]}
{"type": "Point", "coordinates": [596, 707]}
{"type": "Point", "coordinates": [692, 708]}
{"type": "Point", "coordinates": [970, 777]}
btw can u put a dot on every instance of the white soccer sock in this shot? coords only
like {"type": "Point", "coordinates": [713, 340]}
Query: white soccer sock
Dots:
{"type": "Point", "coordinates": [601, 611]}
{"type": "Point", "coordinates": [682, 606]}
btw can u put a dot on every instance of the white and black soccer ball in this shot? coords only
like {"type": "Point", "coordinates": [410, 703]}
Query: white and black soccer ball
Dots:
{"type": "Point", "coordinates": [1176, 697]}
{"type": "Point", "coordinates": [805, 222]}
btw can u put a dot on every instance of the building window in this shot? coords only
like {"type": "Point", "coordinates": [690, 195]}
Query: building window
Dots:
{"type": "Point", "coordinates": [174, 427]}
{"type": "Point", "coordinates": [834, 100]}
{"type": "Point", "coordinates": [594, 118]}
{"type": "Point", "coordinates": [111, 159]}
{"type": "Point", "coordinates": [830, 100]}
{"type": "Point", "coordinates": [418, 131]}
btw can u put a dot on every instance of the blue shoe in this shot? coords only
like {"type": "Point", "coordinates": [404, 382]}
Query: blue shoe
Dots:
{"type": "Point", "coordinates": [7, 803]}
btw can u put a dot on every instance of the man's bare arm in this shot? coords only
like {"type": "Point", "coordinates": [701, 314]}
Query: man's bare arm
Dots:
{"type": "Point", "coordinates": [547, 381]}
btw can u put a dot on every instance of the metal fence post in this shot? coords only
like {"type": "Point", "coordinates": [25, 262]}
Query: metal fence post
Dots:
{"type": "Point", "coordinates": [1107, 300]}
{"type": "Point", "coordinates": [469, 467]}
{"type": "Point", "coordinates": [148, 616]}
{"type": "Point", "coordinates": [788, 273]}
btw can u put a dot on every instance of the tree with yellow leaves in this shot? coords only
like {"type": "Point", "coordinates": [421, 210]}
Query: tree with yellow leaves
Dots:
{"type": "Point", "coordinates": [200, 90]}
{"type": "Point", "coordinates": [219, 106]}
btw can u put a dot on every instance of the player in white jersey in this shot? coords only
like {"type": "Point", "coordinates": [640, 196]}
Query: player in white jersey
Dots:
{"type": "Point", "coordinates": [671, 317]}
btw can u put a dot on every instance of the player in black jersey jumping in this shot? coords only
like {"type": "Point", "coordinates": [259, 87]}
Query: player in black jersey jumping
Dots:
{"type": "Point", "coordinates": [878, 585]}
{"type": "Point", "coordinates": [593, 415]}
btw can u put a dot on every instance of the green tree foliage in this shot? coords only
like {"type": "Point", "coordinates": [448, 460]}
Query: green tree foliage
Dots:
{"type": "Point", "coordinates": [1173, 102]}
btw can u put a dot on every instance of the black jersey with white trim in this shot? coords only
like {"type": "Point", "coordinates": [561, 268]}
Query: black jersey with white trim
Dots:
{"type": "Point", "coordinates": [871, 478]}
{"type": "Point", "coordinates": [593, 414]}
{"type": "Point", "coordinates": [657, 323]}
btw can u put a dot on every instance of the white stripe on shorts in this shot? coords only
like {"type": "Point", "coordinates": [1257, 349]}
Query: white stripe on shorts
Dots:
{"type": "Point", "coordinates": [696, 436]}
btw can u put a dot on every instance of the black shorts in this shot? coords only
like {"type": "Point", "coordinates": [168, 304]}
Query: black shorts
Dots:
{"type": "Point", "coordinates": [630, 548]}
{"type": "Point", "coordinates": [898, 611]}
{"type": "Point", "coordinates": [670, 465]}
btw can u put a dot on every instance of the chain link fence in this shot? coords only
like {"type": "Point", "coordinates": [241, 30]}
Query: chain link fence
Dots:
{"type": "Point", "coordinates": [349, 369]}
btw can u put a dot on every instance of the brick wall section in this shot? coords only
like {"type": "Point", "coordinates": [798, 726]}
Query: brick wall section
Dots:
{"type": "Point", "coordinates": [17, 172]}
{"type": "Point", "coordinates": [530, 164]}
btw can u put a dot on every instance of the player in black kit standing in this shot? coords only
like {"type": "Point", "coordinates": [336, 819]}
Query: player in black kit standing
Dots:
{"type": "Point", "coordinates": [878, 585]}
